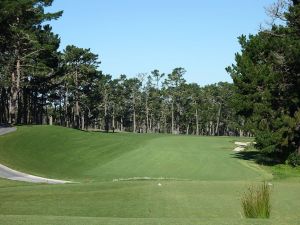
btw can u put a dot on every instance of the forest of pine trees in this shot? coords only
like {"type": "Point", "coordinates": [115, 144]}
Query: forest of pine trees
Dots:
{"type": "Point", "coordinates": [41, 85]}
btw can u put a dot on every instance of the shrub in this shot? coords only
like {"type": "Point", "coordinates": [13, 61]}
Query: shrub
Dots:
{"type": "Point", "coordinates": [293, 159]}
{"type": "Point", "coordinates": [256, 201]}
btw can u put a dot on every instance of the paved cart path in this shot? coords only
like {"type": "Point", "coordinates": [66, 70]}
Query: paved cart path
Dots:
{"type": "Point", "coordinates": [11, 174]}
{"type": "Point", "coordinates": [6, 130]}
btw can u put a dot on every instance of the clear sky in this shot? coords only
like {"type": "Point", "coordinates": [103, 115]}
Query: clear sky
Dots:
{"type": "Point", "coordinates": [138, 36]}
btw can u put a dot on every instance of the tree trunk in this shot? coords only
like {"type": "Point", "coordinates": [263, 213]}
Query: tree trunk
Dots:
{"type": "Point", "coordinates": [106, 118]}
{"type": "Point", "coordinates": [105, 103]}
{"type": "Point", "coordinates": [211, 128]}
{"type": "Point", "coordinates": [50, 120]}
{"type": "Point", "coordinates": [113, 119]}
{"type": "Point", "coordinates": [77, 116]}
{"type": "Point", "coordinates": [82, 122]}
{"type": "Point", "coordinates": [151, 123]}
{"type": "Point", "coordinates": [172, 112]}
{"type": "Point", "coordinates": [15, 88]}
{"type": "Point", "coordinates": [165, 123]}
{"type": "Point", "coordinates": [134, 115]}
{"type": "Point", "coordinates": [60, 112]}
{"type": "Point", "coordinates": [218, 120]}
{"type": "Point", "coordinates": [66, 117]}
{"type": "Point", "coordinates": [134, 121]}
{"type": "Point", "coordinates": [187, 129]}
{"type": "Point", "coordinates": [241, 133]}
{"type": "Point", "coordinates": [28, 115]}
{"type": "Point", "coordinates": [197, 122]}
{"type": "Point", "coordinates": [3, 106]}
{"type": "Point", "coordinates": [121, 128]}
{"type": "Point", "coordinates": [147, 115]}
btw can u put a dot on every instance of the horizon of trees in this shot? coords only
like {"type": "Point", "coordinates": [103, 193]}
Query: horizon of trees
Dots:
{"type": "Point", "coordinates": [39, 82]}
{"type": "Point", "coordinates": [41, 85]}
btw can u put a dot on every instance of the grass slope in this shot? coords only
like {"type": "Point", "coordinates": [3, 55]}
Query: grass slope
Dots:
{"type": "Point", "coordinates": [210, 180]}
{"type": "Point", "coordinates": [70, 154]}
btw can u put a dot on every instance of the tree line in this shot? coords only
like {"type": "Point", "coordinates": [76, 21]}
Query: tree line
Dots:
{"type": "Point", "coordinates": [39, 82]}
{"type": "Point", "coordinates": [40, 85]}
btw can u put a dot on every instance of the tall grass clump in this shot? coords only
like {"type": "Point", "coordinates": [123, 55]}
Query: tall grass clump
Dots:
{"type": "Point", "coordinates": [256, 201]}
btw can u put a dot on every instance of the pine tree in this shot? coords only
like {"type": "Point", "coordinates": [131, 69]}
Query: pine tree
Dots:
{"type": "Point", "coordinates": [266, 75]}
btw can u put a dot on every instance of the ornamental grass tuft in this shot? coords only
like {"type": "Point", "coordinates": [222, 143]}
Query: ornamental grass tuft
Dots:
{"type": "Point", "coordinates": [256, 201]}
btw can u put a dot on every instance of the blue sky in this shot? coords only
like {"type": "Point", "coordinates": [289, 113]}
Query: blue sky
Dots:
{"type": "Point", "coordinates": [138, 36]}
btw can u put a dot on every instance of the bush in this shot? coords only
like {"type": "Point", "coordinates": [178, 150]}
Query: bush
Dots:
{"type": "Point", "coordinates": [256, 201]}
{"type": "Point", "coordinates": [293, 159]}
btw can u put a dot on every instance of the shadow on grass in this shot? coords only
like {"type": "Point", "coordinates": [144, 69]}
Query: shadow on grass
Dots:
{"type": "Point", "coordinates": [5, 125]}
{"type": "Point", "coordinates": [256, 157]}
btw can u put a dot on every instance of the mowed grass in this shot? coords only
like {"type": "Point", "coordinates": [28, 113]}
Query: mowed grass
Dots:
{"type": "Point", "coordinates": [140, 202]}
{"type": "Point", "coordinates": [63, 153]}
{"type": "Point", "coordinates": [206, 180]}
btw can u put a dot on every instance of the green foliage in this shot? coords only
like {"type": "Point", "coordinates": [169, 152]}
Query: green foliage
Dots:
{"type": "Point", "coordinates": [79, 83]}
{"type": "Point", "coordinates": [266, 77]}
{"type": "Point", "coordinates": [28, 58]}
{"type": "Point", "coordinates": [285, 172]}
{"type": "Point", "coordinates": [256, 201]}
{"type": "Point", "coordinates": [293, 159]}
{"type": "Point", "coordinates": [36, 81]}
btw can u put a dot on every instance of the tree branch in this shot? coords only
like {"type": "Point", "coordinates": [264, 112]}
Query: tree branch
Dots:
{"type": "Point", "coordinates": [31, 53]}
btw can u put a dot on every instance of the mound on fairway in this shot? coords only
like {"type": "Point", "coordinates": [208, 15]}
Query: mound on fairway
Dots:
{"type": "Point", "coordinates": [63, 153]}
{"type": "Point", "coordinates": [208, 180]}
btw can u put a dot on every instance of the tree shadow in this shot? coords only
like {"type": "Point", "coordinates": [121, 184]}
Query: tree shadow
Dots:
{"type": "Point", "coordinates": [257, 157]}
{"type": "Point", "coordinates": [5, 125]}
{"type": "Point", "coordinates": [246, 155]}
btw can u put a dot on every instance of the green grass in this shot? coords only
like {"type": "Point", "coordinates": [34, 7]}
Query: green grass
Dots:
{"type": "Point", "coordinates": [208, 180]}
{"type": "Point", "coordinates": [82, 156]}
{"type": "Point", "coordinates": [285, 172]}
{"type": "Point", "coordinates": [204, 202]}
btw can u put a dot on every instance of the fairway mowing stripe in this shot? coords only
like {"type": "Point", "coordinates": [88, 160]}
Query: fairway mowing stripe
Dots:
{"type": "Point", "coordinates": [255, 167]}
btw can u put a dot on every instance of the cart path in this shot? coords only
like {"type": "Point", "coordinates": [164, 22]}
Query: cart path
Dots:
{"type": "Point", "coordinates": [11, 174]}
{"type": "Point", "coordinates": [6, 130]}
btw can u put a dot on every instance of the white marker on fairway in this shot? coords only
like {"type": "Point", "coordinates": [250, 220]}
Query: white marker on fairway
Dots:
{"type": "Point", "coordinates": [159, 184]}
